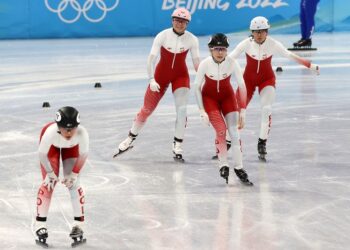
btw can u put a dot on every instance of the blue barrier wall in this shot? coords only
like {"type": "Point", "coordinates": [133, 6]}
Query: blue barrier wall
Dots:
{"type": "Point", "coordinates": [107, 18]}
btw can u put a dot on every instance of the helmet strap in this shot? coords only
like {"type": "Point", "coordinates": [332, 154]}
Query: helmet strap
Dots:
{"type": "Point", "coordinates": [177, 33]}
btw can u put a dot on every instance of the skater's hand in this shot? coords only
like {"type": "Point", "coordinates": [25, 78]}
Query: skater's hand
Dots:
{"type": "Point", "coordinates": [153, 85]}
{"type": "Point", "coordinates": [50, 180]}
{"type": "Point", "coordinates": [241, 121]}
{"type": "Point", "coordinates": [70, 180]}
{"type": "Point", "coordinates": [315, 68]}
{"type": "Point", "coordinates": [204, 117]}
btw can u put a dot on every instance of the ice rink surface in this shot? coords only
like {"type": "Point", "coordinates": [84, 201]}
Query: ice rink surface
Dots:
{"type": "Point", "coordinates": [144, 200]}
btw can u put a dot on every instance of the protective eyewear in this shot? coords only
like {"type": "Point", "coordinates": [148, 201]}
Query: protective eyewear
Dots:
{"type": "Point", "coordinates": [180, 20]}
{"type": "Point", "coordinates": [259, 31]}
{"type": "Point", "coordinates": [219, 49]}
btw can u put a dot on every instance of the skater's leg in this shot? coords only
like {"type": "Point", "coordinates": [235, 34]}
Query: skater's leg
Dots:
{"type": "Point", "coordinates": [180, 97]}
{"type": "Point", "coordinates": [77, 197]}
{"type": "Point", "coordinates": [228, 143]}
{"type": "Point", "coordinates": [232, 126]}
{"type": "Point", "coordinates": [69, 157]}
{"type": "Point", "coordinates": [309, 17]}
{"type": "Point", "coordinates": [150, 103]}
{"type": "Point", "coordinates": [303, 20]}
{"type": "Point", "coordinates": [267, 98]}
{"type": "Point", "coordinates": [78, 201]}
{"type": "Point", "coordinates": [219, 125]}
{"type": "Point", "coordinates": [44, 195]}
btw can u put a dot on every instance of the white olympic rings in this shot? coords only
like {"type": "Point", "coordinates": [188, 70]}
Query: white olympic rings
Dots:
{"type": "Point", "coordinates": [81, 9]}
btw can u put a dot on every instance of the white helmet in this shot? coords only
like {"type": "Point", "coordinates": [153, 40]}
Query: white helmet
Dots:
{"type": "Point", "coordinates": [182, 13]}
{"type": "Point", "coordinates": [259, 23]}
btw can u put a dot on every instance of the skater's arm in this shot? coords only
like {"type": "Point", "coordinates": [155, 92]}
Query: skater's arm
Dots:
{"type": "Point", "coordinates": [195, 54]}
{"type": "Point", "coordinates": [242, 93]}
{"type": "Point", "coordinates": [239, 49]}
{"type": "Point", "coordinates": [198, 91]}
{"type": "Point", "coordinates": [237, 71]}
{"type": "Point", "coordinates": [198, 82]}
{"type": "Point", "coordinates": [44, 147]}
{"type": "Point", "coordinates": [151, 61]}
{"type": "Point", "coordinates": [284, 52]}
{"type": "Point", "coordinates": [83, 150]}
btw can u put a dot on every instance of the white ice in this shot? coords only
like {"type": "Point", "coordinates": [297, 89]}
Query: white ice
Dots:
{"type": "Point", "coordinates": [144, 200]}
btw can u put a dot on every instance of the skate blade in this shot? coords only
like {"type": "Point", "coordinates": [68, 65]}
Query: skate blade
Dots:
{"type": "Point", "coordinates": [77, 243]}
{"type": "Point", "coordinates": [215, 157]}
{"type": "Point", "coordinates": [42, 244]}
{"type": "Point", "coordinates": [302, 49]}
{"type": "Point", "coordinates": [178, 160]}
{"type": "Point", "coordinates": [248, 183]}
{"type": "Point", "coordinates": [262, 158]}
{"type": "Point", "coordinates": [121, 152]}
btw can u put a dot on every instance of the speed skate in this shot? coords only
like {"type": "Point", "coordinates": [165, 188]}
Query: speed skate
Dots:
{"type": "Point", "coordinates": [77, 236]}
{"type": "Point", "coordinates": [122, 151]}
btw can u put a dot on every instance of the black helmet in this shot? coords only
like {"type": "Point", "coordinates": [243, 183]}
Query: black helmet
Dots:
{"type": "Point", "coordinates": [218, 40]}
{"type": "Point", "coordinates": [67, 117]}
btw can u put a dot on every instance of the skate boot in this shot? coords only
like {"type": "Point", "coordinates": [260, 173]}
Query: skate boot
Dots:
{"type": "Point", "coordinates": [228, 143]}
{"type": "Point", "coordinates": [77, 236]}
{"type": "Point", "coordinates": [126, 144]}
{"type": "Point", "coordinates": [177, 150]}
{"type": "Point", "coordinates": [225, 172]}
{"type": "Point", "coordinates": [303, 43]}
{"type": "Point", "coordinates": [262, 149]}
{"type": "Point", "coordinates": [243, 176]}
{"type": "Point", "coordinates": [42, 236]}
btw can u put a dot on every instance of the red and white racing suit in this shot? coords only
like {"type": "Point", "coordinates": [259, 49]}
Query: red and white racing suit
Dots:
{"type": "Point", "coordinates": [73, 152]}
{"type": "Point", "coordinates": [259, 74]}
{"type": "Point", "coordinates": [216, 96]}
{"type": "Point", "coordinates": [171, 68]}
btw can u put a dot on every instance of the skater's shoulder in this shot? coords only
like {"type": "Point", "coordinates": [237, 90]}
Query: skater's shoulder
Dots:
{"type": "Point", "coordinates": [50, 129]}
{"type": "Point", "coordinates": [82, 131]}
{"type": "Point", "coordinates": [270, 40]}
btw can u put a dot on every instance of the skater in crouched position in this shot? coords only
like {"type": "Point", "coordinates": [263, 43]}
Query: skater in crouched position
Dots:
{"type": "Point", "coordinates": [218, 105]}
{"type": "Point", "coordinates": [172, 44]}
{"type": "Point", "coordinates": [258, 73]}
{"type": "Point", "coordinates": [67, 140]}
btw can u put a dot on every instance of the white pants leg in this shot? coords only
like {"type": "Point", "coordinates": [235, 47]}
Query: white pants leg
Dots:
{"type": "Point", "coordinates": [267, 98]}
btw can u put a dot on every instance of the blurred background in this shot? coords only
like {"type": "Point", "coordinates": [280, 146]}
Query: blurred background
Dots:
{"type": "Point", "coordinates": [144, 200]}
{"type": "Point", "coordinates": [116, 18]}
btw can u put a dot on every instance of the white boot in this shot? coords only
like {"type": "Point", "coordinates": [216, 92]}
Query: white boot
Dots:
{"type": "Point", "coordinates": [177, 148]}
{"type": "Point", "coordinates": [125, 145]}
{"type": "Point", "coordinates": [39, 224]}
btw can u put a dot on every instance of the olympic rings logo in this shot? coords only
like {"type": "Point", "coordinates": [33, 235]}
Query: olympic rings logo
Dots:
{"type": "Point", "coordinates": [65, 8]}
